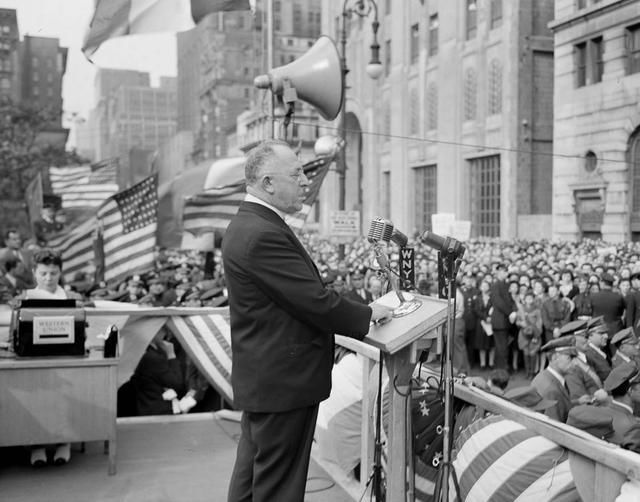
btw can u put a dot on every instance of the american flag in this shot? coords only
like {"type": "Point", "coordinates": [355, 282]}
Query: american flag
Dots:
{"type": "Point", "coordinates": [86, 185]}
{"type": "Point", "coordinates": [128, 223]}
{"type": "Point", "coordinates": [207, 340]}
{"type": "Point", "coordinates": [213, 209]}
{"type": "Point", "coordinates": [77, 249]}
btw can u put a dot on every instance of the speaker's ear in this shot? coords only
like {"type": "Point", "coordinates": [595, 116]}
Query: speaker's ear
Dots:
{"type": "Point", "coordinates": [316, 77]}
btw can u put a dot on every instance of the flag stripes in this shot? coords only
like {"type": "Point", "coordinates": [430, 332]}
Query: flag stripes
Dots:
{"type": "Point", "coordinates": [83, 186]}
{"type": "Point", "coordinates": [128, 223]}
{"type": "Point", "coordinates": [500, 460]}
{"type": "Point", "coordinates": [213, 209]}
{"type": "Point", "coordinates": [76, 249]}
{"type": "Point", "coordinates": [207, 340]}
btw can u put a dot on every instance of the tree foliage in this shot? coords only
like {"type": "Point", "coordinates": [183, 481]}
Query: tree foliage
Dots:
{"type": "Point", "coordinates": [24, 153]}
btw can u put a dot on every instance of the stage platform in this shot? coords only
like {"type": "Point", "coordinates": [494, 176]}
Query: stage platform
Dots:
{"type": "Point", "coordinates": [159, 459]}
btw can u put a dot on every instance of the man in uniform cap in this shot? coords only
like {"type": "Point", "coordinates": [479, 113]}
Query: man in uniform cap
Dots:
{"type": "Point", "coordinates": [622, 384]}
{"type": "Point", "coordinates": [627, 345]}
{"type": "Point", "coordinates": [594, 350]}
{"type": "Point", "coordinates": [529, 397]}
{"type": "Point", "coordinates": [592, 419]}
{"type": "Point", "coordinates": [550, 382]}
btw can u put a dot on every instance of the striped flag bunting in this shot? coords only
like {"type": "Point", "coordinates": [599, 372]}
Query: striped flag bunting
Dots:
{"type": "Point", "coordinates": [117, 18]}
{"type": "Point", "coordinates": [502, 461]}
{"type": "Point", "coordinates": [83, 186]}
{"type": "Point", "coordinates": [77, 249]}
{"type": "Point", "coordinates": [128, 223]}
{"type": "Point", "coordinates": [207, 341]}
{"type": "Point", "coordinates": [212, 210]}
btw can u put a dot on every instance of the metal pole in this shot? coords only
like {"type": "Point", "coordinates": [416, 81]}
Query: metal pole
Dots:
{"type": "Point", "coordinates": [342, 169]}
{"type": "Point", "coordinates": [272, 106]}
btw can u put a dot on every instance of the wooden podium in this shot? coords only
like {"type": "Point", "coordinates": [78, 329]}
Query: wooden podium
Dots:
{"type": "Point", "coordinates": [400, 341]}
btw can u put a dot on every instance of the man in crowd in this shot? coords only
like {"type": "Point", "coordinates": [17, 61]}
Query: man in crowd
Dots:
{"type": "Point", "coordinates": [632, 303]}
{"type": "Point", "coordinates": [47, 226]}
{"type": "Point", "coordinates": [627, 347]}
{"type": "Point", "coordinates": [594, 351]}
{"type": "Point", "coordinates": [622, 384]}
{"type": "Point", "coordinates": [550, 382]}
{"type": "Point", "coordinates": [13, 250]}
{"type": "Point", "coordinates": [503, 316]}
{"type": "Point", "coordinates": [608, 304]}
{"type": "Point", "coordinates": [358, 293]}
{"type": "Point", "coordinates": [282, 323]}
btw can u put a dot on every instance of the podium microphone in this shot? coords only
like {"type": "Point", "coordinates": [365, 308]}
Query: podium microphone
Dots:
{"type": "Point", "coordinates": [445, 245]}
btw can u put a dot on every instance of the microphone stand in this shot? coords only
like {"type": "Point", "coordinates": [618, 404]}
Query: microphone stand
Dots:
{"type": "Point", "coordinates": [451, 264]}
{"type": "Point", "coordinates": [406, 306]}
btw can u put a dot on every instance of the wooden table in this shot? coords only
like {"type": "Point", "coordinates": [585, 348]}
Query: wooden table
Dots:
{"type": "Point", "coordinates": [48, 400]}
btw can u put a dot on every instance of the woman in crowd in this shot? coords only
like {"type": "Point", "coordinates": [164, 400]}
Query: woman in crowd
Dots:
{"type": "Point", "coordinates": [483, 341]}
{"type": "Point", "coordinates": [529, 321]}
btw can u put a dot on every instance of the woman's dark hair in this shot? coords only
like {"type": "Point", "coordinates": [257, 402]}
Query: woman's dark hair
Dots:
{"type": "Point", "coordinates": [47, 257]}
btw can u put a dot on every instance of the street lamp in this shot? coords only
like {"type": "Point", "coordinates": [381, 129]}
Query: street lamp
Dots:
{"type": "Point", "coordinates": [362, 9]}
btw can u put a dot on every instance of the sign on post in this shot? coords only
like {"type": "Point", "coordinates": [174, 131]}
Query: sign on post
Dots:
{"type": "Point", "coordinates": [344, 225]}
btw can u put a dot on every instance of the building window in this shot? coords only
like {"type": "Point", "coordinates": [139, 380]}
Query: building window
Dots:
{"type": "Point", "coordinates": [597, 51]}
{"type": "Point", "coordinates": [386, 194]}
{"type": "Point", "coordinates": [472, 19]}
{"type": "Point", "coordinates": [484, 178]}
{"type": "Point", "coordinates": [495, 87]}
{"type": "Point", "coordinates": [496, 13]}
{"type": "Point", "coordinates": [581, 4]}
{"type": "Point", "coordinates": [387, 58]}
{"type": "Point", "coordinates": [581, 64]}
{"type": "Point", "coordinates": [36, 77]}
{"type": "Point", "coordinates": [632, 43]}
{"type": "Point", "coordinates": [387, 7]}
{"type": "Point", "coordinates": [433, 34]}
{"type": "Point", "coordinates": [426, 195]}
{"type": "Point", "coordinates": [634, 160]}
{"type": "Point", "coordinates": [414, 112]}
{"type": "Point", "coordinates": [470, 94]}
{"type": "Point", "coordinates": [386, 121]}
{"type": "Point", "coordinates": [34, 61]}
{"type": "Point", "coordinates": [36, 91]}
{"type": "Point", "coordinates": [432, 107]}
{"type": "Point", "coordinates": [5, 83]}
{"type": "Point", "coordinates": [277, 5]}
{"type": "Point", "coordinates": [590, 161]}
{"type": "Point", "coordinates": [415, 43]}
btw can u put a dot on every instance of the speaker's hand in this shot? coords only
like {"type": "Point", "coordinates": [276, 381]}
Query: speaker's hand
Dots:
{"type": "Point", "coordinates": [380, 313]}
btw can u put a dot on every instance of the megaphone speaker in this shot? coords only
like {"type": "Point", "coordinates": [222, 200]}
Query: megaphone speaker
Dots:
{"type": "Point", "coordinates": [316, 77]}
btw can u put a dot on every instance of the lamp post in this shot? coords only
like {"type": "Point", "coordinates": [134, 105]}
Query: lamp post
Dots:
{"type": "Point", "coordinates": [362, 9]}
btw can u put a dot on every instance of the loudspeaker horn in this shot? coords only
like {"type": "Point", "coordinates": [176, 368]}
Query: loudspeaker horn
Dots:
{"type": "Point", "coordinates": [316, 77]}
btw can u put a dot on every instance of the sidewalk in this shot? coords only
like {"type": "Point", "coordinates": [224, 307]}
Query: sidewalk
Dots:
{"type": "Point", "coordinates": [164, 460]}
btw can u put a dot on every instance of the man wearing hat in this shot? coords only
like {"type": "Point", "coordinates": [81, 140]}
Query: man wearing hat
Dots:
{"type": "Point", "coordinates": [594, 350]}
{"type": "Point", "coordinates": [608, 304]}
{"type": "Point", "coordinates": [622, 384]}
{"type": "Point", "coordinates": [550, 382]}
{"type": "Point", "coordinates": [627, 347]}
{"type": "Point", "coordinates": [503, 315]}
{"type": "Point", "coordinates": [529, 397]}
{"type": "Point", "coordinates": [358, 293]}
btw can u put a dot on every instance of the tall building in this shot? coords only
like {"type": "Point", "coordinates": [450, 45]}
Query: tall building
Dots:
{"type": "Point", "coordinates": [461, 119]}
{"type": "Point", "coordinates": [596, 172]}
{"type": "Point", "coordinates": [141, 118]}
{"type": "Point", "coordinates": [218, 60]}
{"type": "Point", "coordinates": [9, 69]}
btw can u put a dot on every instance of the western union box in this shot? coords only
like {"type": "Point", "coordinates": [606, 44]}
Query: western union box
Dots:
{"type": "Point", "coordinates": [48, 328]}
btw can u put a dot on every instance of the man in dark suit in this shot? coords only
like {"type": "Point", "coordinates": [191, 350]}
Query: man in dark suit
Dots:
{"type": "Point", "coordinates": [632, 304]}
{"type": "Point", "coordinates": [282, 323]}
{"type": "Point", "coordinates": [550, 382]}
{"type": "Point", "coordinates": [503, 315]}
{"type": "Point", "coordinates": [609, 304]}
{"type": "Point", "coordinates": [594, 351]}
{"type": "Point", "coordinates": [358, 293]}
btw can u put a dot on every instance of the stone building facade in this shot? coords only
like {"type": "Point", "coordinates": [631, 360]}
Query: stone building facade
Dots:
{"type": "Point", "coordinates": [460, 121]}
{"type": "Point", "coordinates": [596, 172]}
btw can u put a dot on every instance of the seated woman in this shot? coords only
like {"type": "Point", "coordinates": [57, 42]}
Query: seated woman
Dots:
{"type": "Point", "coordinates": [47, 270]}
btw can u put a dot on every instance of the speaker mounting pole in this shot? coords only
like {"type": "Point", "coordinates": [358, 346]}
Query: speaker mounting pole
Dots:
{"type": "Point", "coordinates": [361, 9]}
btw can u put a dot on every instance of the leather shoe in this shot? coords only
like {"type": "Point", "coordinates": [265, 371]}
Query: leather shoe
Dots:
{"type": "Point", "coordinates": [38, 457]}
{"type": "Point", "coordinates": [63, 454]}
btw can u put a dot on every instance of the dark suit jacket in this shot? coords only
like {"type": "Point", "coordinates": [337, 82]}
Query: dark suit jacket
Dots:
{"type": "Point", "coordinates": [632, 310]}
{"type": "Point", "coordinates": [549, 387]}
{"type": "Point", "coordinates": [503, 305]}
{"type": "Point", "coordinates": [600, 364]}
{"type": "Point", "coordinates": [353, 295]}
{"type": "Point", "coordinates": [282, 317]}
{"type": "Point", "coordinates": [611, 305]}
{"type": "Point", "coordinates": [12, 290]}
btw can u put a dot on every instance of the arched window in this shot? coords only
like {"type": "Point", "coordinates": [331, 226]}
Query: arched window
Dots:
{"type": "Point", "coordinates": [414, 112]}
{"type": "Point", "coordinates": [470, 94]}
{"type": "Point", "coordinates": [432, 107]}
{"type": "Point", "coordinates": [495, 87]}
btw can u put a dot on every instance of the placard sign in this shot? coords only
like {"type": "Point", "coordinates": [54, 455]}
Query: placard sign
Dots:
{"type": "Point", "coordinates": [344, 224]}
{"type": "Point", "coordinates": [51, 330]}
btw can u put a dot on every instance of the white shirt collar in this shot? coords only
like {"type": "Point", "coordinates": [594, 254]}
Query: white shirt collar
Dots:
{"type": "Point", "coordinates": [557, 375]}
{"type": "Point", "coordinates": [604, 356]}
{"type": "Point", "coordinates": [256, 200]}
